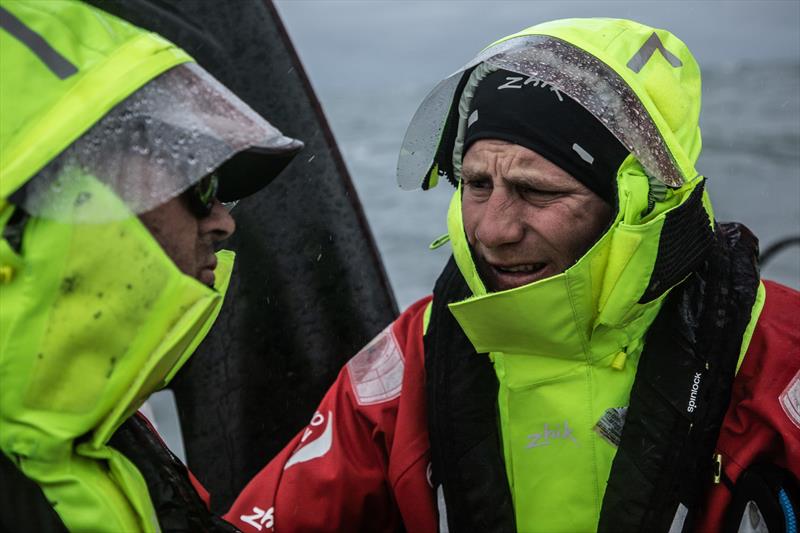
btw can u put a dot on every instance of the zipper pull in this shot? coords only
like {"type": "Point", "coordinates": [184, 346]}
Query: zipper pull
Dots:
{"type": "Point", "coordinates": [717, 468]}
{"type": "Point", "coordinates": [618, 363]}
{"type": "Point", "coordinates": [438, 242]}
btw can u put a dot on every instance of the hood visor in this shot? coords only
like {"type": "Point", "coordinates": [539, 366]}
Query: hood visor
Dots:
{"type": "Point", "coordinates": [165, 137]}
{"type": "Point", "coordinates": [429, 141]}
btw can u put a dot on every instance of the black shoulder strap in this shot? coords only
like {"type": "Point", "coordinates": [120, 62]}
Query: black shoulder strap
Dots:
{"type": "Point", "coordinates": [177, 504]}
{"type": "Point", "coordinates": [466, 447]}
{"type": "Point", "coordinates": [681, 393]}
{"type": "Point", "coordinates": [23, 505]}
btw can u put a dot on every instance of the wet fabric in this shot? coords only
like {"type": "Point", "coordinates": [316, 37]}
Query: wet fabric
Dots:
{"type": "Point", "coordinates": [138, 114]}
{"type": "Point", "coordinates": [529, 112]}
{"type": "Point", "coordinates": [67, 389]}
{"type": "Point", "coordinates": [95, 315]}
{"type": "Point", "coordinates": [650, 110]}
{"type": "Point", "coordinates": [177, 503]}
{"type": "Point", "coordinates": [159, 141]}
{"type": "Point", "coordinates": [682, 391]}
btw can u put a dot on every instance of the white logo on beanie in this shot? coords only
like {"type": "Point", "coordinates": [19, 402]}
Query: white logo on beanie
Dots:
{"type": "Point", "coordinates": [515, 82]}
{"type": "Point", "coordinates": [586, 156]}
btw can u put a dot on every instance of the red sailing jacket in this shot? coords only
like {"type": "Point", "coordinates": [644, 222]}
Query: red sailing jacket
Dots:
{"type": "Point", "coordinates": [362, 463]}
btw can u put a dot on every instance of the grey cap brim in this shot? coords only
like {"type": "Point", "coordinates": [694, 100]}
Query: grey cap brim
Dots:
{"type": "Point", "coordinates": [250, 170]}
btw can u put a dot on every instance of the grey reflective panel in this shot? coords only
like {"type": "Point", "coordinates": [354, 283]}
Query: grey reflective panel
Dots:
{"type": "Point", "coordinates": [152, 146]}
{"type": "Point", "coordinates": [442, 508]}
{"type": "Point", "coordinates": [423, 134]}
{"type": "Point", "coordinates": [653, 43]}
{"type": "Point", "coordinates": [679, 519]}
{"type": "Point", "coordinates": [58, 64]}
{"type": "Point", "coordinates": [586, 79]}
{"type": "Point", "coordinates": [752, 520]}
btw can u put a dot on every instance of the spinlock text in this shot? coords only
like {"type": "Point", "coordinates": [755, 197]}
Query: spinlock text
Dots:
{"type": "Point", "coordinates": [693, 394]}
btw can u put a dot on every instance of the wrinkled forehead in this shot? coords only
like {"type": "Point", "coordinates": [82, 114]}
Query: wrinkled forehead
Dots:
{"type": "Point", "coordinates": [513, 163]}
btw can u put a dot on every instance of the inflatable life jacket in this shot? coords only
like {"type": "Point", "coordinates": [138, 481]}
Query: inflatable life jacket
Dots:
{"type": "Point", "coordinates": [680, 394]}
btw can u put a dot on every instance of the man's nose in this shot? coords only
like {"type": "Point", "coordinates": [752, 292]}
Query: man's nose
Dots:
{"type": "Point", "coordinates": [500, 223]}
{"type": "Point", "coordinates": [219, 223]}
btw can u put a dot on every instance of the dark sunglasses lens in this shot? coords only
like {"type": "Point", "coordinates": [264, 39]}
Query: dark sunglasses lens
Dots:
{"type": "Point", "coordinates": [203, 194]}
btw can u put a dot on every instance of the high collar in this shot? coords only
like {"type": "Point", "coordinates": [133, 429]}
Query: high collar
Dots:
{"type": "Point", "coordinates": [94, 319]}
{"type": "Point", "coordinates": [587, 312]}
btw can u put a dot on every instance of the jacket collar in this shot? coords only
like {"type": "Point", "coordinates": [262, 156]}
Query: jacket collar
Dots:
{"type": "Point", "coordinates": [589, 311]}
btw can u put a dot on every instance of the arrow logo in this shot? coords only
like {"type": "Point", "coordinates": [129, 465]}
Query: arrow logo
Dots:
{"type": "Point", "coordinates": [316, 448]}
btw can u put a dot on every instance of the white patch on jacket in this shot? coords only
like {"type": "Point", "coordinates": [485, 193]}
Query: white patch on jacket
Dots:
{"type": "Point", "coordinates": [376, 372]}
{"type": "Point", "coordinates": [790, 400]}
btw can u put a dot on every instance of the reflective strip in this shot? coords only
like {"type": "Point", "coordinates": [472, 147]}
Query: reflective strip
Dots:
{"type": "Point", "coordinates": [680, 515]}
{"type": "Point", "coordinates": [586, 156]}
{"type": "Point", "coordinates": [649, 47]}
{"type": "Point", "coordinates": [57, 63]}
{"type": "Point", "coordinates": [473, 118]}
{"type": "Point", "coordinates": [752, 520]}
{"type": "Point", "coordinates": [442, 508]}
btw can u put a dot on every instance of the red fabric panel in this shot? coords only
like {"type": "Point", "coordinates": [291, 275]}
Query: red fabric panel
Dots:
{"type": "Point", "coordinates": [361, 463]}
{"type": "Point", "coordinates": [756, 428]}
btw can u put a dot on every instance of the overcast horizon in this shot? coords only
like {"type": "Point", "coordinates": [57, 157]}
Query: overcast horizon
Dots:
{"type": "Point", "coordinates": [365, 42]}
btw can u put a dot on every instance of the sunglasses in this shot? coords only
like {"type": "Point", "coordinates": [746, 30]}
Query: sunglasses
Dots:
{"type": "Point", "coordinates": [203, 194]}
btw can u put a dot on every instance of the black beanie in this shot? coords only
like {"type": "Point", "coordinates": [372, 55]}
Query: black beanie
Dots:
{"type": "Point", "coordinates": [525, 111]}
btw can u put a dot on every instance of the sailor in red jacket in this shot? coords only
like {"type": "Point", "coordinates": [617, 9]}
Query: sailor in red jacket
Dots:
{"type": "Point", "coordinates": [363, 462]}
{"type": "Point", "coordinates": [599, 354]}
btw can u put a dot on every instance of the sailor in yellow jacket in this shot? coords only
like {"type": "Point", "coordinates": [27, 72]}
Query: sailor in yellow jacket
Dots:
{"type": "Point", "coordinates": [114, 147]}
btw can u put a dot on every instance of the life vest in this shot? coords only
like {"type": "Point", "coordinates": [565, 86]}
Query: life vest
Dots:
{"type": "Point", "coordinates": [680, 394]}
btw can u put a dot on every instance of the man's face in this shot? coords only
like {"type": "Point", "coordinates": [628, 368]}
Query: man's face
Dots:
{"type": "Point", "coordinates": [187, 238]}
{"type": "Point", "coordinates": [525, 218]}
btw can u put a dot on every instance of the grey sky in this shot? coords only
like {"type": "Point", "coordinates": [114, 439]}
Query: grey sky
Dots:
{"type": "Point", "coordinates": [368, 42]}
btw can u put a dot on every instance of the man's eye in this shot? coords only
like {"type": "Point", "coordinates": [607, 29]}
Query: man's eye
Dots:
{"type": "Point", "coordinates": [477, 184]}
{"type": "Point", "coordinates": [533, 192]}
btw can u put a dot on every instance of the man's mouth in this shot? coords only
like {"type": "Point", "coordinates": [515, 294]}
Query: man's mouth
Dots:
{"type": "Point", "coordinates": [524, 269]}
{"type": "Point", "coordinates": [206, 275]}
{"type": "Point", "coordinates": [509, 276]}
